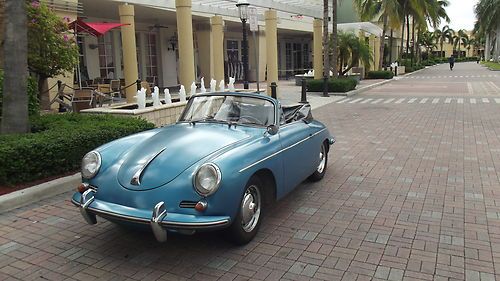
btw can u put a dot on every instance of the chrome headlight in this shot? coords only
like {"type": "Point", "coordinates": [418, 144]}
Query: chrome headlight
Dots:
{"type": "Point", "coordinates": [91, 163]}
{"type": "Point", "coordinates": [207, 179]}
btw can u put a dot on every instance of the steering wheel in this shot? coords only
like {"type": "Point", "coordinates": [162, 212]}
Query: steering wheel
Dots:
{"type": "Point", "coordinates": [251, 119]}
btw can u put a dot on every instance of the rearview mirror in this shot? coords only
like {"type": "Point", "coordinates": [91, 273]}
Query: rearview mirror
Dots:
{"type": "Point", "coordinates": [272, 130]}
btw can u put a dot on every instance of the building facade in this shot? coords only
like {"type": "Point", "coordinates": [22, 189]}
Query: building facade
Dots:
{"type": "Point", "coordinates": [172, 42]}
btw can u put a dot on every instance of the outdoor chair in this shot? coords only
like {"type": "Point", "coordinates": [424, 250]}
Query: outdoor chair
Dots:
{"type": "Point", "coordinates": [63, 99]}
{"type": "Point", "coordinates": [116, 88]}
{"type": "Point", "coordinates": [145, 85]}
{"type": "Point", "coordinates": [103, 94]}
{"type": "Point", "coordinates": [83, 99]}
{"type": "Point", "coordinates": [151, 81]}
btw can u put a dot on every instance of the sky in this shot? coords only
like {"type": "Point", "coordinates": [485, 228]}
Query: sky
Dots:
{"type": "Point", "coordinates": [461, 13]}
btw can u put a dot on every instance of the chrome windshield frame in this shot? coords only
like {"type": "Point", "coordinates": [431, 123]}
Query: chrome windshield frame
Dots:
{"type": "Point", "coordinates": [273, 101]}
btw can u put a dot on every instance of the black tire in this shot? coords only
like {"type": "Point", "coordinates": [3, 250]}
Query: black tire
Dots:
{"type": "Point", "coordinates": [238, 232]}
{"type": "Point", "coordinates": [320, 171]}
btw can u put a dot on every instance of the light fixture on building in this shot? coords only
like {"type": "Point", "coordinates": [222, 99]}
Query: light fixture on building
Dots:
{"type": "Point", "coordinates": [243, 11]}
{"type": "Point", "coordinates": [173, 42]}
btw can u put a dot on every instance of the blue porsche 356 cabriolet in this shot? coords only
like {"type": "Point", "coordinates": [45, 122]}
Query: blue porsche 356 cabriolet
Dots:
{"type": "Point", "coordinates": [228, 157]}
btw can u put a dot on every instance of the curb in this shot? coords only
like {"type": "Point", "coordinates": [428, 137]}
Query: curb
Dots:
{"type": "Point", "coordinates": [364, 89]}
{"type": "Point", "coordinates": [39, 192]}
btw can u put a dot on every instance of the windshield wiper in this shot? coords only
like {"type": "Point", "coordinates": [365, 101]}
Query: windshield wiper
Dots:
{"type": "Point", "coordinates": [208, 120]}
{"type": "Point", "coordinates": [251, 123]}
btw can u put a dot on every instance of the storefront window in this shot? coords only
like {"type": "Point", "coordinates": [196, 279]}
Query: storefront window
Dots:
{"type": "Point", "coordinates": [106, 61]}
{"type": "Point", "coordinates": [151, 55]}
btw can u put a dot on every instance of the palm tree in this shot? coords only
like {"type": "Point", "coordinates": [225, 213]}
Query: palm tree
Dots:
{"type": "Point", "coordinates": [442, 35]}
{"type": "Point", "coordinates": [468, 45]}
{"type": "Point", "coordinates": [460, 39]}
{"type": "Point", "coordinates": [488, 21]}
{"type": "Point", "coordinates": [427, 13]}
{"type": "Point", "coordinates": [352, 49]}
{"type": "Point", "coordinates": [386, 11]}
{"type": "Point", "coordinates": [15, 97]}
{"type": "Point", "coordinates": [427, 40]}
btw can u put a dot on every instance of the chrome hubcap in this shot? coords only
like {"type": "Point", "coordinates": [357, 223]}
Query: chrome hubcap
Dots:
{"type": "Point", "coordinates": [250, 208]}
{"type": "Point", "coordinates": [322, 160]}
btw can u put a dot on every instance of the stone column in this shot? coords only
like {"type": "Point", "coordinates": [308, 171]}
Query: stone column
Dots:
{"type": "Point", "coordinates": [362, 37]}
{"type": "Point", "coordinates": [130, 71]}
{"type": "Point", "coordinates": [373, 49]}
{"type": "Point", "coordinates": [217, 48]}
{"type": "Point", "coordinates": [272, 48]}
{"type": "Point", "coordinates": [318, 48]}
{"type": "Point", "coordinates": [204, 50]}
{"type": "Point", "coordinates": [186, 48]}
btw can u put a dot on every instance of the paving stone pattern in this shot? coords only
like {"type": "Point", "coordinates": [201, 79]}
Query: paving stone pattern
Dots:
{"type": "Point", "coordinates": [411, 193]}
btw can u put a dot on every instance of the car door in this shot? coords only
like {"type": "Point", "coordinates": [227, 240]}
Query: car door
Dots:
{"type": "Point", "coordinates": [299, 153]}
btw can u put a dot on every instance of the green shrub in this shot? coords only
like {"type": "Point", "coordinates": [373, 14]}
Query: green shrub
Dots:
{"type": "Point", "coordinates": [32, 95]}
{"type": "Point", "coordinates": [339, 85]}
{"type": "Point", "coordinates": [380, 74]}
{"type": "Point", "coordinates": [409, 69]}
{"type": "Point", "coordinates": [57, 144]}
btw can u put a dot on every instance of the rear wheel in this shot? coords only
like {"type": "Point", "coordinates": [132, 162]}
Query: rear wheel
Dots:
{"type": "Point", "coordinates": [323, 161]}
{"type": "Point", "coordinates": [247, 221]}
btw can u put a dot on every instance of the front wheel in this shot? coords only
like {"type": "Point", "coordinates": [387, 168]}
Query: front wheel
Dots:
{"type": "Point", "coordinates": [247, 221]}
{"type": "Point", "coordinates": [321, 169]}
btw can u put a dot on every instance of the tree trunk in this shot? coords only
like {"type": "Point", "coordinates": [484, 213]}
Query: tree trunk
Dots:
{"type": "Point", "coordinates": [402, 32]}
{"type": "Point", "coordinates": [43, 93]}
{"type": "Point", "coordinates": [382, 43]}
{"type": "Point", "coordinates": [15, 117]}
{"type": "Point", "coordinates": [334, 39]}
{"type": "Point", "coordinates": [487, 47]}
{"type": "Point", "coordinates": [407, 33]}
{"type": "Point", "coordinates": [413, 53]}
{"type": "Point", "coordinates": [326, 58]}
{"type": "Point", "coordinates": [391, 42]}
{"type": "Point", "coordinates": [441, 43]}
{"type": "Point", "coordinates": [497, 45]}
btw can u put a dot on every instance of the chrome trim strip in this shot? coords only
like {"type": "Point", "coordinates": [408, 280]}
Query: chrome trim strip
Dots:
{"type": "Point", "coordinates": [196, 224]}
{"type": "Point", "coordinates": [279, 151]}
{"type": "Point", "coordinates": [164, 223]}
{"type": "Point", "coordinates": [136, 179]}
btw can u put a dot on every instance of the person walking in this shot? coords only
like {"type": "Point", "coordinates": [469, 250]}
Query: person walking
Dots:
{"type": "Point", "coordinates": [451, 60]}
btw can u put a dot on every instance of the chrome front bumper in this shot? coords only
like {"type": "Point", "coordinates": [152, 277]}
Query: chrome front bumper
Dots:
{"type": "Point", "coordinates": [158, 220]}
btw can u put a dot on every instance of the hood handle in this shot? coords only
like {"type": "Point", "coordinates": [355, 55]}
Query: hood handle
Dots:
{"type": "Point", "coordinates": [136, 179]}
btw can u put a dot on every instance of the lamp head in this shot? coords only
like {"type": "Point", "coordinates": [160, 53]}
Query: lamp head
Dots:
{"type": "Point", "coordinates": [243, 9]}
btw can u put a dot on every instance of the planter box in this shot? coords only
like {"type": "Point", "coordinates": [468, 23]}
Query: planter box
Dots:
{"type": "Point", "coordinates": [162, 115]}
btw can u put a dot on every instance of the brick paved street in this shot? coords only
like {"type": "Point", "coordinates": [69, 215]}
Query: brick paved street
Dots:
{"type": "Point", "coordinates": [412, 193]}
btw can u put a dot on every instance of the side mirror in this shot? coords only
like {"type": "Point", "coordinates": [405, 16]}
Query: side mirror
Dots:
{"type": "Point", "coordinates": [272, 130]}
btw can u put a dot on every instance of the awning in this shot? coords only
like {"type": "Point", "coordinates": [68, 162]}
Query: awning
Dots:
{"type": "Point", "coordinates": [94, 28]}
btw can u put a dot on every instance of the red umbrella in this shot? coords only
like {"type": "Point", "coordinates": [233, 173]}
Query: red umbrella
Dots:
{"type": "Point", "coordinates": [94, 28]}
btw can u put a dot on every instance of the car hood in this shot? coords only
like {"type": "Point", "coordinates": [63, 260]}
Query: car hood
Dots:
{"type": "Point", "coordinates": [165, 155]}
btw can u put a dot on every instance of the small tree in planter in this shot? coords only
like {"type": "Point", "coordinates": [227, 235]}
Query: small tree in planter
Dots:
{"type": "Point", "coordinates": [352, 50]}
{"type": "Point", "coordinates": [52, 50]}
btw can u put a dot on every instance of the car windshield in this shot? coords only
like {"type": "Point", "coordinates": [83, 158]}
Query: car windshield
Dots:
{"type": "Point", "coordinates": [229, 109]}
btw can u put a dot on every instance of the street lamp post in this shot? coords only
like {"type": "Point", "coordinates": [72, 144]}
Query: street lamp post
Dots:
{"type": "Point", "coordinates": [243, 11]}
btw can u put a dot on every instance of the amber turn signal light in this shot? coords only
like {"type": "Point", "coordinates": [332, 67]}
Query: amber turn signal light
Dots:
{"type": "Point", "coordinates": [201, 206]}
{"type": "Point", "coordinates": [82, 187]}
